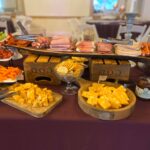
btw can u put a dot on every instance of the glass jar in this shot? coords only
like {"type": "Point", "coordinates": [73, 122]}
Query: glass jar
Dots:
{"type": "Point", "coordinates": [143, 88]}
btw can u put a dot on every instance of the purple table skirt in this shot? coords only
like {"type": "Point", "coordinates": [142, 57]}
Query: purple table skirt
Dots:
{"type": "Point", "coordinates": [67, 127]}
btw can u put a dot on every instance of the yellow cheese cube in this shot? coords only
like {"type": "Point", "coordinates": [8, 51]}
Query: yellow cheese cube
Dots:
{"type": "Point", "coordinates": [104, 102]}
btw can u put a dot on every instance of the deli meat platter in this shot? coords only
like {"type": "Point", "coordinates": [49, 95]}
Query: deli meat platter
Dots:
{"type": "Point", "coordinates": [52, 52]}
{"type": "Point", "coordinates": [65, 46]}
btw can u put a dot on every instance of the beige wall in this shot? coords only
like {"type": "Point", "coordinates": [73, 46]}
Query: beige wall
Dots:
{"type": "Point", "coordinates": [57, 7]}
{"type": "Point", "coordinates": [146, 10]}
{"type": "Point", "coordinates": [54, 24]}
{"type": "Point", "coordinates": [51, 24]}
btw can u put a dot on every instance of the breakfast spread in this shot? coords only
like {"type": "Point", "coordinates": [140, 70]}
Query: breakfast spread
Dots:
{"type": "Point", "coordinates": [100, 96]}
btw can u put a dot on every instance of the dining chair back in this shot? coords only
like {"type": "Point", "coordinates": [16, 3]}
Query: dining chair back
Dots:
{"type": "Point", "coordinates": [146, 36]}
{"type": "Point", "coordinates": [139, 29]}
{"type": "Point", "coordinates": [3, 26]}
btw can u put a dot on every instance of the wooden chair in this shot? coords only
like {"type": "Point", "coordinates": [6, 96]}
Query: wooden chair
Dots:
{"type": "Point", "coordinates": [135, 29]}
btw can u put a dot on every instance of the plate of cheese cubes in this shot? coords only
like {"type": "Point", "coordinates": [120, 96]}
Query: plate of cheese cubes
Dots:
{"type": "Point", "coordinates": [32, 99]}
{"type": "Point", "coordinates": [106, 100]}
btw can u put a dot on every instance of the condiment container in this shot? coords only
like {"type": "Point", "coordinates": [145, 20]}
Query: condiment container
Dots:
{"type": "Point", "coordinates": [143, 88]}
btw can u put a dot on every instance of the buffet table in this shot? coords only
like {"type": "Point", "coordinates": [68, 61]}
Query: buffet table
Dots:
{"type": "Point", "coordinates": [67, 127]}
{"type": "Point", "coordinates": [109, 28]}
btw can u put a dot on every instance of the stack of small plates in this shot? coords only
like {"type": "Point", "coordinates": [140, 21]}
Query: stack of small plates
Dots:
{"type": "Point", "coordinates": [128, 50]}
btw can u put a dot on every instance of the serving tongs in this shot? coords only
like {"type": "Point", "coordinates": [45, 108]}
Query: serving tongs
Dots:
{"type": "Point", "coordinates": [118, 41]}
{"type": "Point", "coordinates": [29, 37]}
{"type": "Point", "coordinates": [4, 93]}
{"type": "Point", "coordinates": [26, 35]}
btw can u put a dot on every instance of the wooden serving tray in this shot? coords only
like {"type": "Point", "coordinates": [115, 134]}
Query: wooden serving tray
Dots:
{"type": "Point", "coordinates": [74, 53]}
{"type": "Point", "coordinates": [110, 114]}
{"type": "Point", "coordinates": [35, 112]}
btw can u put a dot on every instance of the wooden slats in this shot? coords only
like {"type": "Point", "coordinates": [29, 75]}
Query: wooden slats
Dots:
{"type": "Point", "coordinates": [98, 61]}
{"type": "Point", "coordinates": [110, 61]}
{"type": "Point", "coordinates": [43, 59]}
{"type": "Point", "coordinates": [123, 62]}
{"type": "Point", "coordinates": [113, 69]}
{"type": "Point", "coordinates": [31, 58]}
{"type": "Point", "coordinates": [55, 59]}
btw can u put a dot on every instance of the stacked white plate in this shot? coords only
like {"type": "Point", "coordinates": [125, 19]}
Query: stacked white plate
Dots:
{"type": "Point", "coordinates": [128, 50]}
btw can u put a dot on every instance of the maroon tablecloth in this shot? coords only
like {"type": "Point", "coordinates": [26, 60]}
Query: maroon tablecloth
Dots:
{"type": "Point", "coordinates": [67, 127]}
{"type": "Point", "coordinates": [109, 28]}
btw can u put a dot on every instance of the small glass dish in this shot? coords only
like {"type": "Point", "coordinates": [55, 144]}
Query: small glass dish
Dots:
{"type": "Point", "coordinates": [143, 88]}
{"type": "Point", "coordinates": [68, 77]}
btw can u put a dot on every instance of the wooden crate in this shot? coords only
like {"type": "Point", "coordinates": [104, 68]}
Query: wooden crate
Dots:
{"type": "Point", "coordinates": [40, 69]}
{"type": "Point", "coordinates": [113, 69]}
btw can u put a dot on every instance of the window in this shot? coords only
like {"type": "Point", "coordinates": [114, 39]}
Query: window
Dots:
{"type": "Point", "coordinates": [11, 6]}
{"type": "Point", "coordinates": [104, 5]}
